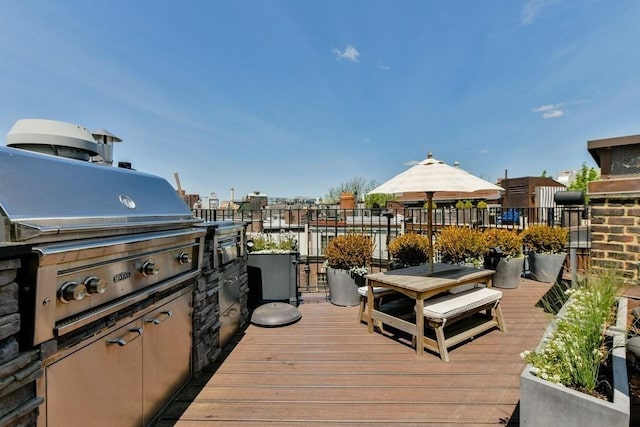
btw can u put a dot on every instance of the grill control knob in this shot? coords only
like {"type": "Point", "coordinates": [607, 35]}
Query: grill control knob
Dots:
{"type": "Point", "coordinates": [149, 269]}
{"type": "Point", "coordinates": [184, 258]}
{"type": "Point", "coordinates": [95, 285]}
{"type": "Point", "coordinates": [72, 291]}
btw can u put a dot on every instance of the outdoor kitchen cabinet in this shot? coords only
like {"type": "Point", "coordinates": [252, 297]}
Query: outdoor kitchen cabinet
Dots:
{"type": "Point", "coordinates": [102, 383]}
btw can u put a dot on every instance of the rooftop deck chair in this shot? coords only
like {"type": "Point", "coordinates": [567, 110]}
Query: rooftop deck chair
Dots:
{"type": "Point", "coordinates": [445, 310]}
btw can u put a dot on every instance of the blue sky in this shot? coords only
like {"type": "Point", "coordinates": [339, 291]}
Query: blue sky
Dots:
{"type": "Point", "coordinates": [292, 98]}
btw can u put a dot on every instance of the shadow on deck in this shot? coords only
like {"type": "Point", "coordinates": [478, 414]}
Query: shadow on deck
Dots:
{"type": "Point", "coordinates": [327, 369]}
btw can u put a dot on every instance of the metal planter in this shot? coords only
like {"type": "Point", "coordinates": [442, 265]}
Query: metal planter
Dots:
{"type": "Point", "coordinates": [343, 287]}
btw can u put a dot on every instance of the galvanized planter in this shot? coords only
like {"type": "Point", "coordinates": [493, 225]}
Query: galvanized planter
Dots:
{"type": "Point", "coordinates": [543, 403]}
{"type": "Point", "coordinates": [343, 287]}
{"type": "Point", "coordinates": [546, 267]}
{"type": "Point", "coordinates": [508, 273]}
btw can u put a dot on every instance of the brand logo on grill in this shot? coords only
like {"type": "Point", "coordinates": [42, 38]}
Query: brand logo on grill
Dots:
{"type": "Point", "coordinates": [121, 276]}
{"type": "Point", "coordinates": [127, 201]}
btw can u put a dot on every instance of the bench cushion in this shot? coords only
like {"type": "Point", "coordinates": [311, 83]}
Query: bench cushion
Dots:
{"type": "Point", "coordinates": [448, 306]}
{"type": "Point", "coordinates": [362, 290]}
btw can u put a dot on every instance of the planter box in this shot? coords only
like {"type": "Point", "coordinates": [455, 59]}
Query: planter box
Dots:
{"type": "Point", "coordinates": [543, 403]}
{"type": "Point", "coordinates": [273, 277]}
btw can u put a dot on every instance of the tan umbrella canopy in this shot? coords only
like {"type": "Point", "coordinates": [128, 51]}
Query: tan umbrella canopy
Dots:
{"type": "Point", "coordinates": [440, 181]}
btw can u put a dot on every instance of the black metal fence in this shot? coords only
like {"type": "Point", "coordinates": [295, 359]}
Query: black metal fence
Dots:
{"type": "Point", "coordinates": [313, 228]}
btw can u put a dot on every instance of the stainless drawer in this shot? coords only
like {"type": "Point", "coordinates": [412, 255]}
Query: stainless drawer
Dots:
{"type": "Point", "coordinates": [230, 323]}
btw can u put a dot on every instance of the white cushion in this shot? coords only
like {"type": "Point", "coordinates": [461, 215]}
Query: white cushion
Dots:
{"type": "Point", "coordinates": [462, 288]}
{"type": "Point", "coordinates": [362, 290]}
{"type": "Point", "coordinates": [451, 305]}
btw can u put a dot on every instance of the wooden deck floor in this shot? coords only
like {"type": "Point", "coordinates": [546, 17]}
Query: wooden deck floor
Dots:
{"type": "Point", "coordinates": [327, 369]}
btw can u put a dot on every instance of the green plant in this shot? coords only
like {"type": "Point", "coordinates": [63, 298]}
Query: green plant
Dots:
{"type": "Point", "coordinates": [509, 241]}
{"type": "Point", "coordinates": [378, 200]}
{"type": "Point", "coordinates": [461, 245]}
{"type": "Point", "coordinates": [544, 239]}
{"type": "Point", "coordinates": [349, 251]}
{"type": "Point", "coordinates": [410, 249]}
{"type": "Point", "coordinates": [573, 353]}
{"type": "Point", "coordinates": [264, 243]}
{"type": "Point", "coordinates": [464, 204]}
{"type": "Point", "coordinates": [482, 205]}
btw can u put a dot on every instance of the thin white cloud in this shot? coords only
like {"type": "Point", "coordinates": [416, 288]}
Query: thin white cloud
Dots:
{"type": "Point", "coordinates": [533, 8]}
{"type": "Point", "coordinates": [550, 111]}
{"type": "Point", "coordinates": [349, 53]}
{"type": "Point", "coordinates": [382, 66]}
{"type": "Point", "coordinates": [411, 163]}
{"type": "Point", "coordinates": [552, 114]}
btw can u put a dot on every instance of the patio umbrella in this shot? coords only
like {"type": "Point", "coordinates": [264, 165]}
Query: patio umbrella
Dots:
{"type": "Point", "coordinates": [437, 180]}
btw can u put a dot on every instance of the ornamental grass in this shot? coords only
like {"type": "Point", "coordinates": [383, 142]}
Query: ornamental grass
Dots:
{"type": "Point", "coordinates": [573, 353]}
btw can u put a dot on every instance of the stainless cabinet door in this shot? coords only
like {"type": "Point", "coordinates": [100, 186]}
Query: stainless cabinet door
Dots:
{"type": "Point", "coordinates": [100, 384]}
{"type": "Point", "coordinates": [166, 353]}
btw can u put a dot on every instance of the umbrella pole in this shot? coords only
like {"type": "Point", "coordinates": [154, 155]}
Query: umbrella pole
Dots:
{"type": "Point", "coordinates": [429, 229]}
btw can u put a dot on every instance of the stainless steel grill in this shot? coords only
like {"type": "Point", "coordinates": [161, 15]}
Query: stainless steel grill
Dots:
{"type": "Point", "coordinates": [229, 244]}
{"type": "Point", "coordinates": [109, 248]}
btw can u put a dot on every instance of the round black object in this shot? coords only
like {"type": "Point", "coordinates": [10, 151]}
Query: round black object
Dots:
{"type": "Point", "coordinates": [275, 314]}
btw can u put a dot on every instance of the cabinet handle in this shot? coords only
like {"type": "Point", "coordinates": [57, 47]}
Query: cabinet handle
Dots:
{"type": "Point", "coordinates": [160, 318]}
{"type": "Point", "coordinates": [230, 312]}
{"type": "Point", "coordinates": [122, 341]}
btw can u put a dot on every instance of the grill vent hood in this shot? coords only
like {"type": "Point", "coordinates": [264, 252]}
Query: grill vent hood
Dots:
{"type": "Point", "coordinates": [53, 137]}
{"type": "Point", "coordinates": [43, 195]}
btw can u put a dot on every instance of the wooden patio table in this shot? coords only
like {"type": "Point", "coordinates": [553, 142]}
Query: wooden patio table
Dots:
{"type": "Point", "coordinates": [420, 284]}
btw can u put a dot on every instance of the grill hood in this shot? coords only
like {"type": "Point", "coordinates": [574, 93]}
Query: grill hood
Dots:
{"type": "Point", "coordinates": [45, 198]}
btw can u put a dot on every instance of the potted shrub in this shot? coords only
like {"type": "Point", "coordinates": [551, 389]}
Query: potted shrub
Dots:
{"type": "Point", "coordinates": [348, 258]}
{"type": "Point", "coordinates": [461, 245]}
{"type": "Point", "coordinates": [409, 249]}
{"type": "Point", "coordinates": [504, 255]}
{"type": "Point", "coordinates": [547, 251]}
{"type": "Point", "coordinates": [559, 385]}
{"type": "Point", "coordinates": [482, 213]}
{"type": "Point", "coordinates": [272, 269]}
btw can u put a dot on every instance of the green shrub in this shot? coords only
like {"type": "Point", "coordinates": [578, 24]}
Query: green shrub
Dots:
{"type": "Point", "coordinates": [509, 241]}
{"type": "Point", "coordinates": [266, 243]}
{"type": "Point", "coordinates": [349, 251]}
{"type": "Point", "coordinates": [461, 245]}
{"type": "Point", "coordinates": [410, 249]}
{"type": "Point", "coordinates": [544, 239]}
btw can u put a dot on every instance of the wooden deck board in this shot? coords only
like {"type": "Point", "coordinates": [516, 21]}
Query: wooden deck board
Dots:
{"type": "Point", "coordinates": [327, 369]}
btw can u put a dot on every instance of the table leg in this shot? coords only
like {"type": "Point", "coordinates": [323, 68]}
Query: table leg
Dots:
{"type": "Point", "coordinates": [419, 326]}
{"type": "Point", "coordinates": [369, 305]}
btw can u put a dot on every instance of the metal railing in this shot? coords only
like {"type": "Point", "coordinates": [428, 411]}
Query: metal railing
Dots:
{"type": "Point", "coordinates": [314, 228]}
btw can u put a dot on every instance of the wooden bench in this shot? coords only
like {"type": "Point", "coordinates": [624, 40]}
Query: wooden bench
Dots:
{"type": "Point", "coordinates": [379, 294]}
{"type": "Point", "coordinates": [445, 310]}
